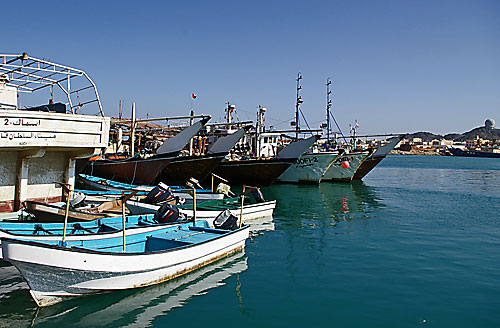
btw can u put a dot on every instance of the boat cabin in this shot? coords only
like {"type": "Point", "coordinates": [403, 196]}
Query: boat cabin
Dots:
{"type": "Point", "coordinates": [39, 145]}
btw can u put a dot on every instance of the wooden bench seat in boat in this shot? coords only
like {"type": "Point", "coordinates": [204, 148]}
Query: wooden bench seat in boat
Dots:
{"type": "Point", "coordinates": [162, 243]}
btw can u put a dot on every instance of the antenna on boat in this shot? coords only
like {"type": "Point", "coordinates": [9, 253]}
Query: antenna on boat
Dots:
{"type": "Point", "coordinates": [298, 101]}
{"type": "Point", "coordinates": [328, 106]}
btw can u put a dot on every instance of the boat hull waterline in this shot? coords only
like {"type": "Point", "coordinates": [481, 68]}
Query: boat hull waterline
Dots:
{"type": "Point", "coordinates": [252, 172]}
{"type": "Point", "coordinates": [309, 168]}
{"type": "Point", "coordinates": [337, 173]}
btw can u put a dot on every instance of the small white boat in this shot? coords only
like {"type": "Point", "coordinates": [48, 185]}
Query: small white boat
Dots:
{"type": "Point", "coordinates": [210, 209]}
{"type": "Point", "coordinates": [79, 268]}
{"type": "Point", "coordinates": [309, 168]}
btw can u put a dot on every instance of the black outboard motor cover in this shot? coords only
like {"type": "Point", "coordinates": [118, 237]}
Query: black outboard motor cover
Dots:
{"type": "Point", "coordinates": [158, 194]}
{"type": "Point", "coordinates": [167, 213]}
{"type": "Point", "coordinates": [227, 221]}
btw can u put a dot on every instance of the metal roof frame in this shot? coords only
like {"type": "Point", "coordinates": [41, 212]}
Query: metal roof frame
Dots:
{"type": "Point", "coordinates": [29, 74]}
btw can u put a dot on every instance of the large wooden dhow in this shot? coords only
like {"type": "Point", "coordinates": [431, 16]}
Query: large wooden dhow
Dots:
{"type": "Point", "coordinates": [41, 144]}
{"type": "Point", "coordinates": [181, 168]}
{"type": "Point", "coordinates": [82, 267]}
{"type": "Point", "coordinates": [264, 171]}
{"type": "Point", "coordinates": [144, 171]}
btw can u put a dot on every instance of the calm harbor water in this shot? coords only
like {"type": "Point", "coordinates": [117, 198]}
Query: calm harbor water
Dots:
{"type": "Point", "coordinates": [416, 244]}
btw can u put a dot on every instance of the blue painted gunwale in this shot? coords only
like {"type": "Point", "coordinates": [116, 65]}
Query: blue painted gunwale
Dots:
{"type": "Point", "coordinates": [30, 228]}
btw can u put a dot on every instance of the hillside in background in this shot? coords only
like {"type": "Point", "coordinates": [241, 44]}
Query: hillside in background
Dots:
{"type": "Point", "coordinates": [482, 132]}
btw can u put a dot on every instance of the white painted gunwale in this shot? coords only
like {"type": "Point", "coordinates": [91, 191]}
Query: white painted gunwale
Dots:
{"type": "Point", "coordinates": [252, 211]}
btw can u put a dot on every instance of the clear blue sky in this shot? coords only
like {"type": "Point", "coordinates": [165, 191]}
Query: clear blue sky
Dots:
{"type": "Point", "coordinates": [396, 66]}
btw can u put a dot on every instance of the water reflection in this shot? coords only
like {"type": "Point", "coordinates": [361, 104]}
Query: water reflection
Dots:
{"type": "Point", "coordinates": [347, 201]}
{"type": "Point", "coordinates": [128, 308]}
{"type": "Point", "coordinates": [328, 203]}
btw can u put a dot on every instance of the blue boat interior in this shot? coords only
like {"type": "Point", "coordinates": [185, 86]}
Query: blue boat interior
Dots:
{"type": "Point", "coordinates": [103, 225]}
{"type": "Point", "coordinates": [157, 241]}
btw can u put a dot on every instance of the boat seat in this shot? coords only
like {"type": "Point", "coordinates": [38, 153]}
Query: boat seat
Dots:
{"type": "Point", "coordinates": [162, 243]}
{"type": "Point", "coordinates": [107, 227]}
{"type": "Point", "coordinates": [216, 231]}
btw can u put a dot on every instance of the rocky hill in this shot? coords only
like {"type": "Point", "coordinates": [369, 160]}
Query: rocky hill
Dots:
{"type": "Point", "coordinates": [482, 132]}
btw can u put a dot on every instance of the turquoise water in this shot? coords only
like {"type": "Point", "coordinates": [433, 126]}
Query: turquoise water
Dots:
{"type": "Point", "coordinates": [416, 244]}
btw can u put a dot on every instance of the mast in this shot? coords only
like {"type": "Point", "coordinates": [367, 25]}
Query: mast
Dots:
{"type": "Point", "coordinates": [297, 104]}
{"type": "Point", "coordinates": [259, 128]}
{"type": "Point", "coordinates": [229, 111]}
{"type": "Point", "coordinates": [328, 106]}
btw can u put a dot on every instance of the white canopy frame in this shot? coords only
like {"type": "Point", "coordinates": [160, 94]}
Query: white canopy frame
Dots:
{"type": "Point", "coordinates": [29, 74]}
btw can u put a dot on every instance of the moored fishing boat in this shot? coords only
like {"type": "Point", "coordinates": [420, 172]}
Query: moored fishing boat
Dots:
{"type": "Point", "coordinates": [344, 167]}
{"type": "Point", "coordinates": [376, 157]}
{"type": "Point", "coordinates": [182, 168]}
{"type": "Point", "coordinates": [263, 172]}
{"type": "Point", "coordinates": [95, 186]}
{"type": "Point", "coordinates": [137, 170]}
{"type": "Point", "coordinates": [209, 210]}
{"type": "Point", "coordinates": [80, 268]}
{"type": "Point", "coordinates": [309, 168]}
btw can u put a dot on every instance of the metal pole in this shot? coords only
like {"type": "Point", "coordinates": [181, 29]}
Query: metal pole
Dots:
{"type": "Point", "coordinates": [66, 214]}
{"type": "Point", "coordinates": [191, 121]}
{"type": "Point", "coordinates": [242, 202]}
{"type": "Point", "coordinates": [328, 106]}
{"type": "Point", "coordinates": [194, 206]}
{"type": "Point", "coordinates": [298, 101]}
{"type": "Point", "coordinates": [132, 131]}
{"type": "Point", "coordinates": [123, 220]}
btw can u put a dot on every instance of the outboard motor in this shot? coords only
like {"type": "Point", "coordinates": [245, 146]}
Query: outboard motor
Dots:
{"type": "Point", "coordinates": [160, 193]}
{"type": "Point", "coordinates": [77, 199]}
{"type": "Point", "coordinates": [227, 221]}
{"type": "Point", "coordinates": [167, 214]}
{"type": "Point", "coordinates": [225, 189]}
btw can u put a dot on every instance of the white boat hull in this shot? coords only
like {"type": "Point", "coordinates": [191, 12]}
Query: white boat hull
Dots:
{"type": "Point", "coordinates": [308, 168]}
{"type": "Point", "coordinates": [338, 173]}
{"type": "Point", "coordinates": [54, 273]}
{"type": "Point", "coordinates": [250, 212]}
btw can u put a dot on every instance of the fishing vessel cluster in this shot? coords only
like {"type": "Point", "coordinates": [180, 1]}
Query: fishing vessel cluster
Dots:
{"type": "Point", "coordinates": [93, 204]}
